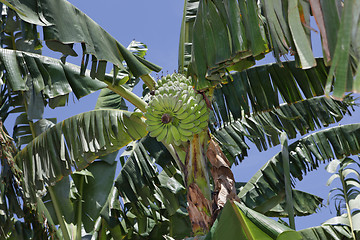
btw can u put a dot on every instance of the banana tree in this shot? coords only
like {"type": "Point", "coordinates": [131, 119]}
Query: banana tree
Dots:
{"type": "Point", "coordinates": [199, 121]}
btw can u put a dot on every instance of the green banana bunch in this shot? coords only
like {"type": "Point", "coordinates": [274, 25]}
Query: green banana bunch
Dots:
{"type": "Point", "coordinates": [176, 111]}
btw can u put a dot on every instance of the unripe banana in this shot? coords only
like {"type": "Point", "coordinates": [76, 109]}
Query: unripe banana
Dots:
{"type": "Point", "coordinates": [162, 135]}
{"type": "Point", "coordinates": [169, 136]}
{"type": "Point", "coordinates": [189, 119]}
{"type": "Point", "coordinates": [178, 105]}
{"type": "Point", "coordinates": [153, 123]}
{"type": "Point", "coordinates": [156, 132]}
{"type": "Point", "coordinates": [184, 108]}
{"type": "Point", "coordinates": [184, 138]}
{"type": "Point", "coordinates": [176, 111]}
{"type": "Point", "coordinates": [203, 125]}
{"type": "Point", "coordinates": [151, 117]}
{"type": "Point", "coordinates": [183, 113]}
{"type": "Point", "coordinates": [175, 133]}
{"type": "Point", "coordinates": [152, 128]}
{"type": "Point", "coordinates": [187, 125]}
{"type": "Point", "coordinates": [203, 117]}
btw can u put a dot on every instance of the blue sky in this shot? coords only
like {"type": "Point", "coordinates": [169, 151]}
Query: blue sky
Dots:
{"type": "Point", "coordinates": [157, 24]}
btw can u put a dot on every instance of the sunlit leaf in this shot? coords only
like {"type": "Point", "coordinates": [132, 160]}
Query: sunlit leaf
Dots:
{"type": "Point", "coordinates": [75, 143]}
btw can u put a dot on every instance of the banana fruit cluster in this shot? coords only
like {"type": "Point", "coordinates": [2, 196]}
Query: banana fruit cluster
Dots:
{"type": "Point", "coordinates": [176, 112]}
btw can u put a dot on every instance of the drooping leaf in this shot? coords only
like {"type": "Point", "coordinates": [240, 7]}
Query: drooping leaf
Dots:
{"type": "Point", "coordinates": [61, 33]}
{"type": "Point", "coordinates": [264, 128]}
{"type": "Point", "coordinates": [259, 88]}
{"type": "Point", "coordinates": [279, 26]}
{"type": "Point", "coordinates": [219, 39]}
{"type": "Point", "coordinates": [154, 203]}
{"type": "Point", "coordinates": [17, 34]}
{"type": "Point", "coordinates": [344, 69]}
{"type": "Point", "coordinates": [279, 30]}
{"type": "Point", "coordinates": [76, 142]}
{"type": "Point", "coordinates": [305, 155]}
{"type": "Point", "coordinates": [247, 36]}
{"type": "Point", "coordinates": [326, 232]}
{"type": "Point", "coordinates": [62, 194]}
{"type": "Point", "coordinates": [49, 76]}
{"type": "Point", "coordinates": [94, 191]}
{"type": "Point", "coordinates": [185, 43]}
{"type": "Point", "coordinates": [304, 204]}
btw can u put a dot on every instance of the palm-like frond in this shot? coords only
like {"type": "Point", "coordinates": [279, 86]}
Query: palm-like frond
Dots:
{"type": "Point", "coordinates": [263, 129]}
{"type": "Point", "coordinates": [17, 34]}
{"type": "Point", "coordinates": [305, 155]}
{"type": "Point", "coordinates": [304, 204]}
{"type": "Point", "coordinates": [83, 194]}
{"type": "Point", "coordinates": [327, 232]}
{"type": "Point", "coordinates": [250, 29]}
{"type": "Point", "coordinates": [260, 88]}
{"type": "Point", "coordinates": [60, 34]}
{"type": "Point", "coordinates": [153, 204]}
{"type": "Point", "coordinates": [31, 80]}
{"type": "Point", "coordinates": [76, 142]}
{"type": "Point", "coordinates": [48, 75]}
{"type": "Point", "coordinates": [34, 80]}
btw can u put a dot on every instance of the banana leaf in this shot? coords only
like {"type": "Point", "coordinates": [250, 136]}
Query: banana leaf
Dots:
{"type": "Point", "coordinates": [305, 155]}
{"type": "Point", "coordinates": [185, 43]}
{"type": "Point", "coordinates": [60, 33]}
{"type": "Point", "coordinates": [250, 29]}
{"type": "Point", "coordinates": [264, 87]}
{"type": "Point", "coordinates": [75, 143]}
{"type": "Point", "coordinates": [153, 203]}
{"type": "Point", "coordinates": [327, 232]}
{"type": "Point", "coordinates": [48, 75]}
{"type": "Point", "coordinates": [238, 221]}
{"type": "Point", "coordinates": [263, 129]}
{"type": "Point", "coordinates": [18, 34]}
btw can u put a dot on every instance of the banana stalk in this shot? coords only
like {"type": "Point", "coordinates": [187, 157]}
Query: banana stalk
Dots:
{"type": "Point", "coordinates": [202, 161]}
{"type": "Point", "coordinates": [198, 184]}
